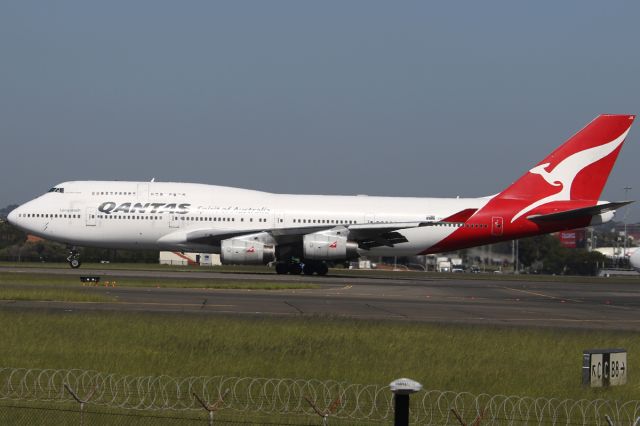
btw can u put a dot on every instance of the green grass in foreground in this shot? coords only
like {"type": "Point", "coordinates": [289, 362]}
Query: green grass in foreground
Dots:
{"type": "Point", "coordinates": [9, 278]}
{"type": "Point", "coordinates": [45, 294]}
{"type": "Point", "coordinates": [492, 360]}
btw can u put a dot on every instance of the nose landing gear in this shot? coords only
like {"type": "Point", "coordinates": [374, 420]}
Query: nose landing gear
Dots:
{"type": "Point", "coordinates": [74, 258]}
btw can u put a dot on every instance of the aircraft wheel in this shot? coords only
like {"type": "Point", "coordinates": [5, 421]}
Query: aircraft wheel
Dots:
{"type": "Point", "coordinates": [281, 268]}
{"type": "Point", "coordinates": [308, 269]}
{"type": "Point", "coordinates": [322, 269]}
{"type": "Point", "coordinates": [295, 269]}
{"type": "Point", "coordinates": [75, 263]}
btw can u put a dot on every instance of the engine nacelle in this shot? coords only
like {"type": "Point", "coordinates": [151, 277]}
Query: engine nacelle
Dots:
{"type": "Point", "coordinates": [599, 219]}
{"type": "Point", "coordinates": [237, 251]}
{"type": "Point", "coordinates": [329, 247]}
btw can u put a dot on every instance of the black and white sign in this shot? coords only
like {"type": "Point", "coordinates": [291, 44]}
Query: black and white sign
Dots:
{"type": "Point", "coordinates": [604, 367]}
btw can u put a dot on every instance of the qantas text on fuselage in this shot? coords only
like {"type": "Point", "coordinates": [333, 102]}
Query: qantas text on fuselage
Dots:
{"type": "Point", "coordinates": [301, 233]}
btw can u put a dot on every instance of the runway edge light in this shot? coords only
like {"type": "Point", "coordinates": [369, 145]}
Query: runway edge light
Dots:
{"type": "Point", "coordinates": [401, 389]}
{"type": "Point", "coordinates": [604, 367]}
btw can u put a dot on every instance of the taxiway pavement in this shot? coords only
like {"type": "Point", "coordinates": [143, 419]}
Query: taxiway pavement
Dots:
{"type": "Point", "coordinates": [600, 305]}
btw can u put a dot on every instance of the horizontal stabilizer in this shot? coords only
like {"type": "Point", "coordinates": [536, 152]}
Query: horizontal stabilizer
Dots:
{"type": "Point", "coordinates": [576, 213]}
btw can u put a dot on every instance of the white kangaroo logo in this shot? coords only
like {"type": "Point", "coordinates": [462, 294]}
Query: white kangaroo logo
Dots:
{"type": "Point", "coordinates": [565, 172]}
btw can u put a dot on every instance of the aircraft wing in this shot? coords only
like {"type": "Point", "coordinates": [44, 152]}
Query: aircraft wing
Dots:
{"type": "Point", "coordinates": [213, 236]}
{"type": "Point", "coordinates": [369, 235]}
{"type": "Point", "coordinates": [366, 235]}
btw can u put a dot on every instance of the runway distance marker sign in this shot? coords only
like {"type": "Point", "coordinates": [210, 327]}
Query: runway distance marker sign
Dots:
{"type": "Point", "coordinates": [604, 367]}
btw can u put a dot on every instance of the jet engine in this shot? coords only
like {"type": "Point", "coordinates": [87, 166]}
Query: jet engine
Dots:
{"type": "Point", "coordinates": [238, 251]}
{"type": "Point", "coordinates": [323, 246]}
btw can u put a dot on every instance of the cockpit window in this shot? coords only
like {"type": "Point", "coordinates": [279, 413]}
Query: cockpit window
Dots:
{"type": "Point", "coordinates": [56, 190]}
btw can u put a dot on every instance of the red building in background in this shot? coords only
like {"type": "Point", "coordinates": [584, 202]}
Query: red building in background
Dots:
{"type": "Point", "coordinates": [576, 238]}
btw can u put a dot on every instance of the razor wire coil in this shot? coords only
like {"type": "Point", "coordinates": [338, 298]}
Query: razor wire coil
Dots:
{"type": "Point", "coordinates": [290, 396]}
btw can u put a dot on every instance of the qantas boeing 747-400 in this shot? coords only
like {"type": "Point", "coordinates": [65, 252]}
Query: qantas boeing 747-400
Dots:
{"type": "Point", "coordinates": [302, 232]}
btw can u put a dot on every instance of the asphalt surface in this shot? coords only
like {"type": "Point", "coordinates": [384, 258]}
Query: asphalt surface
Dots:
{"type": "Point", "coordinates": [601, 305]}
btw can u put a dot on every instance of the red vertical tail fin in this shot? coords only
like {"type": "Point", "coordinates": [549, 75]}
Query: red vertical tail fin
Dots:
{"type": "Point", "coordinates": [576, 171]}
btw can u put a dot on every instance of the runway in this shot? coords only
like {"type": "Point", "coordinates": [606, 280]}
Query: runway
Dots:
{"type": "Point", "coordinates": [601, 305]}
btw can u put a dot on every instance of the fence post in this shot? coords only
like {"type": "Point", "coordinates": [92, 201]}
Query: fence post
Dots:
{"type": "Point", "coordinates": [476, 422]}
{"type": "Point", "coordinates": [212, 408]}
{"type": "Point", "coordinates": [401, 389]}
{"type": "Point", "coordinates": [324, 413]}
{"type": "Point", "coordinates": [81, 401]}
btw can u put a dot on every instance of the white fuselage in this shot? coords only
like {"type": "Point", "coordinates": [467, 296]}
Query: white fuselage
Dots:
{"type": "Point", "coordinates": [634, 260]}
{"type": "Point", "coordinates": [141, 215]}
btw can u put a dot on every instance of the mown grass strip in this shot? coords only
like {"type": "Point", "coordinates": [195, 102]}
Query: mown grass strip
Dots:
{"type": "Point", "coordinates": [8, 278]}
{"type": "Point", "coordinates": [58, 295]}
{"type": "Point", "coordinates": [254, 269]}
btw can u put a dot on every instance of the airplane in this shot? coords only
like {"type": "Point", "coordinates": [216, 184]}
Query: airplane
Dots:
{"type": "Point", "coordinates": [301, 233]}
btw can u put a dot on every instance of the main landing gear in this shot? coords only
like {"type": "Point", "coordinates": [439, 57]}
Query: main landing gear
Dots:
{"type": "Point", "coordinates": [297, 268]}
{"type": "Point", "coordinates": [74, 258]}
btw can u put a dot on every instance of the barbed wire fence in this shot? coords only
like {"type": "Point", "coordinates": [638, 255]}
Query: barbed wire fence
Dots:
{"type": "Point", "coordinates": [298, 398]}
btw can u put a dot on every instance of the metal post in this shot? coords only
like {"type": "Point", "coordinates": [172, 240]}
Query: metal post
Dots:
{"type": "Point", "coordinates": [401, 389]}
{"type": "Point", "coordinates": [626, 197]}
{"type": "Point", "coordinates": [401, 413]}
{"type": "Point", "coordinates": [212, 408]}
{"type": "Point", "coordinates": [327, 411]}
{"type": "Point", "coordinates": [81, 401]}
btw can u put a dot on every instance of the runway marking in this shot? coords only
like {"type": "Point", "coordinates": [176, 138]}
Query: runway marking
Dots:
{"type": "Point", "coordinates": [300, 311]}
{"type": "Point", "coordinates": [548, 296]}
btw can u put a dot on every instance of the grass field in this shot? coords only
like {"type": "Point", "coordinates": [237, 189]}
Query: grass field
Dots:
{"type": "Point", "coordinates": [28, 279]}
{"type": "Point", "coordinates": [492, 360]}
{"type": "Point", "coordinates": [46, 294]}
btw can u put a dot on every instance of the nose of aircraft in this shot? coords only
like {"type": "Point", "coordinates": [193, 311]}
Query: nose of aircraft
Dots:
{"type": "Point", "coordinates": [12, 216]}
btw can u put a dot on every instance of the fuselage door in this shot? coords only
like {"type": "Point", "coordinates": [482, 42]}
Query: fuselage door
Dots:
{"type": "Point", "coordinates": [174, 220]}
{"type": "Point", "coordinates": [278, 220]}
{"type": "Point", "coordinates": [90, 216]}
{"type": "Point", "coordinates": [497, 226]}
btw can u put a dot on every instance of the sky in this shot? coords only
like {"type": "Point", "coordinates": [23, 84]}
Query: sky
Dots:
{"type": "Point", "coordinates": [405, 98]}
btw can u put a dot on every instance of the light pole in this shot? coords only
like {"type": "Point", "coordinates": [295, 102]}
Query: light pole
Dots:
{"type": "Point", "coordinates": [624, 219]}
